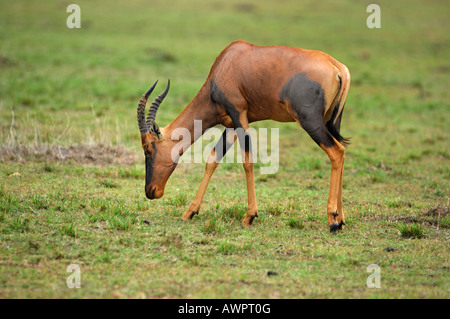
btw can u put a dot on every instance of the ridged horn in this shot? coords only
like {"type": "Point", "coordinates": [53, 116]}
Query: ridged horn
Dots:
{"type": "Point", "coordinates": [143, 128]}
{"type": "Point", "coordinates": [155, 105]}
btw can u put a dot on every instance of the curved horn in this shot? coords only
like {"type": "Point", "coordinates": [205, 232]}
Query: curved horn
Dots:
{"type": "Point", "coordinates": [155, 105]}
{"type": "Point", "coordinates": [143, 128]}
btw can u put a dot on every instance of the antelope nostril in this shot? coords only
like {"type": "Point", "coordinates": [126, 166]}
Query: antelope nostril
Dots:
{"type": "Point", "coordinates": [151, 193]}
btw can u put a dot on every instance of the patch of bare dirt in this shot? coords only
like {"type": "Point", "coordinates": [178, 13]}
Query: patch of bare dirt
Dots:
{"type": "Point", "coordinates": [431, 216]}
{"type": "Point", "coordinates": [81, 154]}
{"type": "Point", "coordinates": [437, 212]}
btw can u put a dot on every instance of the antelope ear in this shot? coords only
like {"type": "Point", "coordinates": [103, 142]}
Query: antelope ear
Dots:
{"type": "Point", "coordinates": [154, 129]}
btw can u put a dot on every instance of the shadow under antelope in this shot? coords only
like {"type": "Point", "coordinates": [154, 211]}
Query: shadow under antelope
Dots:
{"type": "Point", "coordinates": [249, 83]}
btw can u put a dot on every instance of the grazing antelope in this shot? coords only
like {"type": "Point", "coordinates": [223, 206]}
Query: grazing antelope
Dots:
{"type": "Point", "coordinates": [249, 83]}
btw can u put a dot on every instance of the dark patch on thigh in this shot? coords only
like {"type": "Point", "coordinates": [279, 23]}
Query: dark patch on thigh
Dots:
{"type": "Point", "coordinates": [304, 93]}
{"type": "Point", "coordinates": [307, 99]}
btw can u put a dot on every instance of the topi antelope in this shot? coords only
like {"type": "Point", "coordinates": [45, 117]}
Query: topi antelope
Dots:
{"type": "Point", "coordinates": [249, 83]}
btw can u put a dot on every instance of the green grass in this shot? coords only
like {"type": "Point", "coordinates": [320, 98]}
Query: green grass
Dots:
{"type": "Point", "coordinates": [72, 170]}
{"type": "Point", "coordinates": [68, 230]}
{"type": "Point", "coordinates": [295, 223]}
{"type": "Point", "coordinates": [210, 226]}
{"type": "Point", "coordinates": [411, 231]}
{"type": "Point", "coordinates": [178, 200]}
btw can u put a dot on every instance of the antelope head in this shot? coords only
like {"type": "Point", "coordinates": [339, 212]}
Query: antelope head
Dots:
{"type": "Point", "coordinates": [157, 149]}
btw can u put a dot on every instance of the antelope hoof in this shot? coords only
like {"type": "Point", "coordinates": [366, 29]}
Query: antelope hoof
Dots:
{"type": "Point", "coordinates": [334, 227]}
{"type": "Point", "coordinates": [188, 215]}
{"type": "Point", "coordinates": [248, 220]}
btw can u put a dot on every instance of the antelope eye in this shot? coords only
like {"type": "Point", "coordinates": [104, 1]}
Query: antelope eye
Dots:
{"type": "Point", "coordinates": [147, 150]}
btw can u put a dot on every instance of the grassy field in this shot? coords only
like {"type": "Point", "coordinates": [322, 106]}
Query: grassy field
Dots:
{"type": "Point", "coordinates": [72, 168]}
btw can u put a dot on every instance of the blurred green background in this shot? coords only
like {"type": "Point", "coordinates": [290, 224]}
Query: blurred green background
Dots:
{"type": "Point", "coordinates": [50, 72]}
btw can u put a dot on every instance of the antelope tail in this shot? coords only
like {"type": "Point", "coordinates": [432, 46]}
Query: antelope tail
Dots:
{"type": "Point", "coordinates": [334, 124]}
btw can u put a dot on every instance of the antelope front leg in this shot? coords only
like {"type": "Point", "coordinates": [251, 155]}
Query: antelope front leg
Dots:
{"type": "Point", "coordinates": [211, 166]}
{"type": "Point", "coordinates": [226, 141]}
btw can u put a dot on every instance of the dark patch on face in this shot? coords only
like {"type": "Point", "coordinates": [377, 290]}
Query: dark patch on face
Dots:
{"type": "Point", "coordinates": [149, 161]}
{"type": "Point", "coordinates": [218, 97]}
{"type": "Point", "coordinates": [308, 102]}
